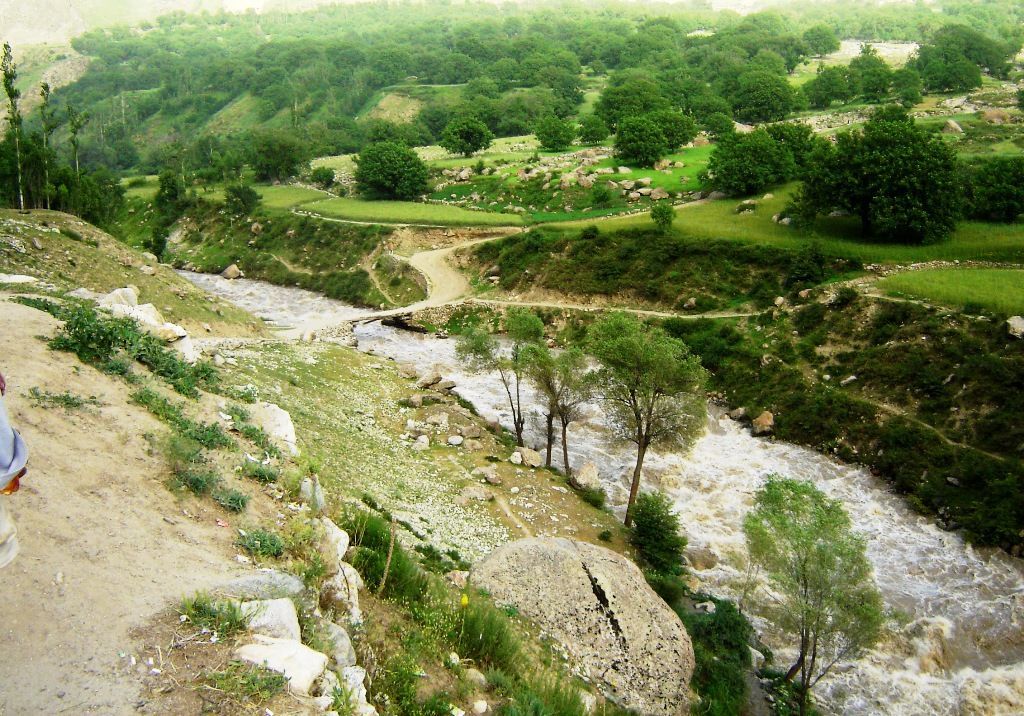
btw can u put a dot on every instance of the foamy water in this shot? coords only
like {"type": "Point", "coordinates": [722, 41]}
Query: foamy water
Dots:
{"type": "Point", "coordinates": [961, 647]}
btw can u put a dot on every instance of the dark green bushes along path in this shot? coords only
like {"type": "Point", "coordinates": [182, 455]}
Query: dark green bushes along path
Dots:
{"type": "Point", "coordinates": [657, 268]}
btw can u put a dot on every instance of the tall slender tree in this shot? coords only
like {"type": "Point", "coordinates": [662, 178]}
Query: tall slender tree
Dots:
{"type": "Point", "coordinates": [76, 121]}
{"type": "Point", "coordinates": [564, 383]}
{"type": "Point", "coordinates": [10, 72]}
{"type": "Point", "coordinates": [652, 385]}
{"type": "Point", "coordinates": [49, 120]}
{"type": "Point", "coordinates": [483, 352]}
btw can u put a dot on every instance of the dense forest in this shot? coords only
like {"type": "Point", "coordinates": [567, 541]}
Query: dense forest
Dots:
{"type": "Point", "coordinates": [151, 91]}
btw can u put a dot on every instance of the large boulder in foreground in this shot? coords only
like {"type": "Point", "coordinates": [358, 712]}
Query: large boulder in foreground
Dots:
{"type": "Point", "coordinates": [617, 630]}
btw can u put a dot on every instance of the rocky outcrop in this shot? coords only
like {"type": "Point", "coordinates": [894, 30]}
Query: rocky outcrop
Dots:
{"type": "Point", "coordinates": [277, 424]}
{"type": "Point", "coordinates": [763, 424]}
{"type": "Point", "coordinates": [1015, 325]}
{"type": "Point", "coordinates": [618, 632]}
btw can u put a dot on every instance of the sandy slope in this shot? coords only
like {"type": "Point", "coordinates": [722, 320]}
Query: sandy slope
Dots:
{"type": "Point", "coordinates": [104, 545]}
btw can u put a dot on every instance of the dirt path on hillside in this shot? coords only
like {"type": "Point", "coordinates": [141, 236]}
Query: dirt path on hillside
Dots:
{"type": "Point", "coordinates": [104, 544]}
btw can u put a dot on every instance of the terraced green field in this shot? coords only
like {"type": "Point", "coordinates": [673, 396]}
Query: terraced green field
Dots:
{"type": "Point", "coordinates": [998, 290]}
{"type": "Point", "coordinates": [408, 212]}
{"type": "Point", "coordinates": [837, 237]}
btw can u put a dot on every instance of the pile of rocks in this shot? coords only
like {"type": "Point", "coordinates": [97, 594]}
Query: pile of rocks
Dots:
{"type": "Point", "coordinates": [124, 303]}
{"type": "Point", "coordinates": [268, 600]}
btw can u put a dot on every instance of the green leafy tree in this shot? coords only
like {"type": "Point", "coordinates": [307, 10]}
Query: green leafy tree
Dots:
{"type": "Point", "coordinates": [629, 95]}
{"type": "Point", "coordinates": [662, 214]}
{"type": "Point", "coordinates": [831, 84]}
{"type": "Point", "coordinates": [677, 128]}
{"type": "Point", "coordinates": [639, 140]}
{"type": "Point", "coordinates": [466, 136]}
{"type": "Point", "coordinates": [241, 199]}
{"type": "Point", "coordinates": [871, 74]}
{"type": "Point", "coordinates": [76, 123]}
{"type": "Point", "coordinates": [906, 83]}
{"type": "Point", "coordinates": [171, 197]}
{"type": "Point", "coordinates": [391, 170]}
{"type": "Point", "coordinates": [1020, 99]}
{"type": "Point", "coordinates": [656, 533]}
{"type": "Point", "coordinates": [997, 189]}
{"type": "Point", "coordinates": [652, 386]}
{"type": "Point", "coordinates": [593, 129]}
{"type": "Point", "coordinates": [763, 97]}
{"type": "Point", "coordinates": [902, 182]}
{"type": "Point", "coordinates": [564, 384]}
{"type": "Point", "coordinates": [822, 586]}
{"type": "Point", "coordinates": [820, 40]}
{"type": "Point", "coordinates": [484, 353]}
{"type": "Point", "coordinates": [49, 121]}
{"type": "Point", "coordinates": [719, 125]}
{"type": "Point", "coordinates": [554, 134]}
{"type": "Point", "coordinates": [276, 155]}
{"type": "Point", "coordinates": [323, 177]}
{"type": "Point", "coordinates": [746, 164]}
{"type": "Point", "coordinates": [14, 120]}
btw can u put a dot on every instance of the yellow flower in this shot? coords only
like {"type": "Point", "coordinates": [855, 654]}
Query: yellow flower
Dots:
{"type": "Point", "coordinates": [465, 600]}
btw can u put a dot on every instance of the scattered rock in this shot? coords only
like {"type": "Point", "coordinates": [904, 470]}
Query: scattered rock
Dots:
{"type": "Point", "coordinates": [586, 478]}
{"type": "Point", "coordinates": [232, 272]}
{"type": "Point", "coordinates": [312, 494]}
{"type": "Point", "coordinates": [455, 440]}
{"type": "Point", "coordinates": [707, 607]}
{"type": "Point", "coordinates": [301, 665]}
{"type": "Point", "coordinates": [691, 303]}
{"type": "Point", "coordinates": [848, 380]}
{"type": "Point", "coordinates": [264, 584]}
{"type": "Point", "coordinates": [763, 424]}
{"type": "Point", "coordinates": [480, 707]}
{"type": "Point", "coordinates": [336, 539]}
{"type": "Point", "coordinates": [756, 658]}
{"type": "Point", "coordinates": [488, 473]}
{"type": "Point", "coordinates": [516, 458]}
{"type": "Point", "coordinates": [128, 296]}
{"type": "Point", "coordinates": [342, 592]}
{"type": "Point", "coordinates": [618, 632]}
{"type": "Point", "coordinates": [343, 653]}
{"type": "Point", "coordinates": [701, 558]}
{"type": "Point", "coordinates": [476, 678]}
{"type": "Point", "coordinates": [779, 301]}
{"type": "Point", "coordinates": [530, 458]}
{"type": "Point", "coordinates": [429, 380]}
{"type": "Point", "coordinates": [1015, 325]}
{"type": "Point", "coordinates": [273, 617]}
{"type": "Point", "coordinates": [952, 127]}
{"type": "Point", "coordinates": [421, 443]}
{"type": "Point", "coordinates": [277, 424]}
{"type": "Point", "coordinates": [471, 493]}
{"type": "Point", "coordinates": [738, 413]}
{"type": "Point", "coordinates": [458, 577]}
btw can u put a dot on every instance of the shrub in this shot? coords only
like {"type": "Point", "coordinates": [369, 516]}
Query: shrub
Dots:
{"type": "Point", "coordinates": [241, 199]}
{"type": "Point", "coordinates": [223, 617]}
{"type": "Point", "coordinates": [261, 543]}
{"type": "Point", "coordinates": [391, 170]}
{"type": "Point", "coordinates": [231, 500]}
{"type": "Point", "coordinates": [248, 682]}
{"type": "Point", "coordinates": [323, 177]}
{"type": "Point", "coordinates": [605, 535]}
{"type": "Point", "coordinates": [554, 134]}
{"type": "Point", "coordinates": [655, 533]}
{"type": "Point", "coordinates": [662, 214]}
{"type": "Point", "coordinates": [198, 482]}
{"type": "Point", "coordinates": [593, 496]}
{"type": "Point", "coordinates": [263, 474]}
{"type": "Point", "coordinates": [209, 435]}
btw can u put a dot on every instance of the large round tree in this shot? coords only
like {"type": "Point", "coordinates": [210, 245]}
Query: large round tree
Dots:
{"type": "Point", "coordinates": [466, 136]}
{"type": "Point", "coordinates": [391, 170]}
{"type": "Point", "coordinates": [899, 180]}
{"type": "Point", "coordinates": [640, 140]}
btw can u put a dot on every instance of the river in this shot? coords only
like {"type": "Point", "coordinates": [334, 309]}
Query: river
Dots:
{"type": "Point", "coordinates": [959, 648]}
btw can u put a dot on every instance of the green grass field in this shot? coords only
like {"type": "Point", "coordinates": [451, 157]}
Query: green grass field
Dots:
{"type": "Point", "coordinates": [287, 197]}
{"type": "Point", "coordinates": [998, 290]}
{"type": "Point", "coordinates": [408, 212]}
{"type": "Point", "coordinates": [837, 237]}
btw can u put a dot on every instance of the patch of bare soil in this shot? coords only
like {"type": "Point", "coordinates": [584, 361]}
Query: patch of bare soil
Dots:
{"type": "Point", "coordinates": [104, 544]}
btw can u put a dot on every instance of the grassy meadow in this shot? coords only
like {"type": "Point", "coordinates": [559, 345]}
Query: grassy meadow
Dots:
{"type": "Point", "coordinates": [997, 290]}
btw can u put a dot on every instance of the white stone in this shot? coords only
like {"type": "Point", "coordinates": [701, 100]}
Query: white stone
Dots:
{"type": "Point", "coordinates": [530, 458]}
{"type": "Point", "coordinates": [128, 296]}
{"type": "Point", "coordinates": [455, 440]}
{"type": "Point", "coordinates": [343, 653]}
{"type": "Point", "coordinates": [1015, 325]}
{"type": "Point", "coordinates": [337, 539]}
{"type": "Point", "coordinates": [480, 707]}
{"type": "Point", "coordinates": [422, 443]}
{"type": "Point", "coordinates": [301, 665]}
{"type": "Point", "coordinates": [273, 617]}
{"type": "Point", "coordinates": [277, 424]}
{"type": "Point", "coordinates": [17, 278]}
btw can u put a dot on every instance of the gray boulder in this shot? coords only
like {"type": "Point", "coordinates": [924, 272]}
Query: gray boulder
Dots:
{"type": "Point", "coordinates": [617, 631]}
{"type": "Point", "coordinates": [273, 617]}
{"type": "Point", "coordinates": [1015, 325]}
{"type": "Point", "coordinates": [264, 584]}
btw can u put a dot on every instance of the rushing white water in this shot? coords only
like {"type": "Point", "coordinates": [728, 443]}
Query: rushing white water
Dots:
{"type": "Point", "coordinates": [962, 649]}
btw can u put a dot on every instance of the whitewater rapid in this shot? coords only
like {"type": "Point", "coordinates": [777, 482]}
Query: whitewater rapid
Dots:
{"type": "Point", "coordinates": [957, 646]}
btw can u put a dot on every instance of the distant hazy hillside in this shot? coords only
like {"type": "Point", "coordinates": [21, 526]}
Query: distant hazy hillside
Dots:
{"type": "Point", "coordinates": [38, 21]}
